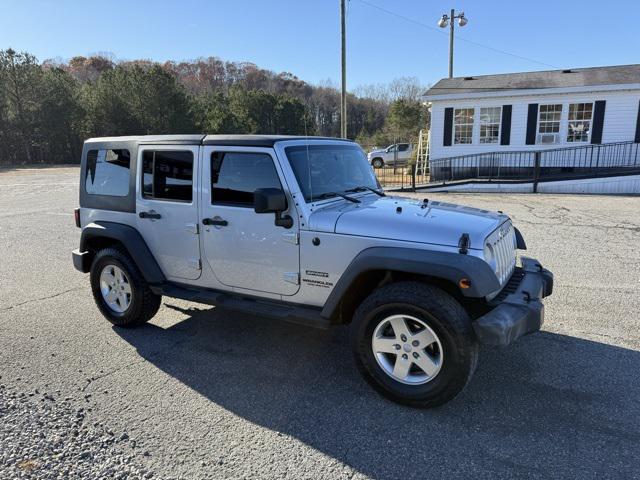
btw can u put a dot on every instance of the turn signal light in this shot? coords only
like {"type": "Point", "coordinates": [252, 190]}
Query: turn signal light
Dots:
{"type": "Point", "coordinates": [76, 214]}
{"type": "Point", "coordinates": [464, 283]}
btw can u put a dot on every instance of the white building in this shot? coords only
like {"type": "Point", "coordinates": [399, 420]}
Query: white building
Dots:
{"type": "Point", "coordinates": [534, 110]}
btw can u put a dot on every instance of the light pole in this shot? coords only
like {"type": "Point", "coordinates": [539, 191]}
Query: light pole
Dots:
{"type": "Point", "coordinates": [450, 20]}
{"type": "Point", "coordinates": [343, 96]}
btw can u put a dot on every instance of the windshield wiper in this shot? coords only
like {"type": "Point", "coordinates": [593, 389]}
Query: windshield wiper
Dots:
{"type": "Point", "coordinates": [337, 194]}
{"type": "Point", "coordinates": [362, 188]}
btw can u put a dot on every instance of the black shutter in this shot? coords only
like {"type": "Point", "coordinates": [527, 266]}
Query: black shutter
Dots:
{"type": "Point", "coordinates": [505, 131]}
{"type": "Point", "coordinates": [532, 121]}
{"type": "Point", "coordinates": [637, 139]}
{"type": "Point", "coordinates": [448, 127]}
{"type": "Point", "coordinates": [598, 121]}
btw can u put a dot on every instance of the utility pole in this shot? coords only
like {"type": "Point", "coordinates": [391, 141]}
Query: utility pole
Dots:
{"type": "Point", "coordinates": [343, 99]}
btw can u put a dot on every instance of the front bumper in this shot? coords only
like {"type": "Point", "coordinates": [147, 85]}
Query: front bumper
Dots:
{"type": "Point", "coordinates": [517, 310]}
{"type": "Point", "coordinates": [81, 260]}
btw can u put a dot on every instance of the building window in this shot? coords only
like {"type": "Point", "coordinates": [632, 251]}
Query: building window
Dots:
{"type": "Point", "coordinates": [579, 122]}
{"type": "Point", "coordinates": [167, 175]}
{"type": "Point", "coordinates": [549, 118]}
{"type": "Point", "coordinates": [490, 124]}
{"type": "Point", "coordinates": [108, 172]}
{"type": "Point", "coordinates": [463, 126]}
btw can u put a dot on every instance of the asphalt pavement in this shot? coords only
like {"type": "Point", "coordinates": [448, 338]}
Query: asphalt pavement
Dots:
{"type": "Point", "coordinates": [204, 393]}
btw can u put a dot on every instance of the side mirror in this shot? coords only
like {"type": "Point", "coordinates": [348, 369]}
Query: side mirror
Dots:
{"type": "Point", "coordinates": [272, 200]}
{"type": "Point", "coordinates": [269, 200]}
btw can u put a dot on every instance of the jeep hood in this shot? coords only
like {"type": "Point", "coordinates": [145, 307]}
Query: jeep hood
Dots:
{"type": "Point", "coordinates": [407, 220]}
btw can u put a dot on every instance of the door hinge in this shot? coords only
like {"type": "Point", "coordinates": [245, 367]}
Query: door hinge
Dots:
{"type": "Point", "coordinates": [291, 237]}
{"type": "Point", "coordinates": [194, 263]}
{"type": "Point", "coordinates": [291, 277]}
{"type": "Point", "coordinates": [193, 228]}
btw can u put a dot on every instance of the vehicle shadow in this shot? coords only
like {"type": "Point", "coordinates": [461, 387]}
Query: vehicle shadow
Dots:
{"type": "Point", "coordinates": [548, 406]}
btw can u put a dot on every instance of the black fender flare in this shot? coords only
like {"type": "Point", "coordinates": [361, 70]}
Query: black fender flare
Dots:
{"type": "Point", "coordinates": [131, 239]}
{"type": "Point", "coordinates": [448, 266]}
{"type": "Point", "coordinates": [520, 243]}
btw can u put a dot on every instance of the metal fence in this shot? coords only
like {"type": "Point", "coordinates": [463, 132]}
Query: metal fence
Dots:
{"type": "Point", "coordinates": [553, 164]}
{"type": "Point", "coordinates": [401, 177]}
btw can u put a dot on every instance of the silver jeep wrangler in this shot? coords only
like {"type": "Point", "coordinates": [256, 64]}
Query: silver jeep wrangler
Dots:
{"type": "Point", "coordinates": [297, 228]}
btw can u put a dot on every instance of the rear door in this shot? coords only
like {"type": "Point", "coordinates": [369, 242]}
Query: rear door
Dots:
{"type": "Point", "coordinates": [246, 250]}
{"type": "Point", "coordinates": [167, 208]}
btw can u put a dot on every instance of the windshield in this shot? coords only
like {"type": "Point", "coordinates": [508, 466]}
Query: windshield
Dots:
{"type": "Point", "coordinates": [324, 169]}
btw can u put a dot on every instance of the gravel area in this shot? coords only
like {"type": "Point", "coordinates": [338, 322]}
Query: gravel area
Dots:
{"type": "Point", "coordinates": [45, 436]}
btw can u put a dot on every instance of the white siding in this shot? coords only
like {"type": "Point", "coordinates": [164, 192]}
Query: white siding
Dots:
{"type": "Point", "coordinates": [625, 185]}
{"type": "Point", "coordinates": [619, 122]}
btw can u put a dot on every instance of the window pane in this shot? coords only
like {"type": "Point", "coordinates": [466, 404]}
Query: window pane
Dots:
{"type": "Point", "coordinates": [108, 172]}
{"type": "Point", "coordinates": [236, 176]}
{"type": "Point", "coordinates": [549, 118]}
{"type": "Point", "coordinates": [167, 175]}
{"type": "Point", "coordinates": [463, 125]}
{"type": "Point", "coordinates": [323, 169]}
{"type": "Point", "coordinates": [490, 124]}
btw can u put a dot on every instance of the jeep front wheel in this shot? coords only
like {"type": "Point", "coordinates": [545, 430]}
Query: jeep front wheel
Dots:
{"type": "Point", "coordinates": [119, 289]}
{"type": "Point", "coordinates": [414, 343]}
{"type": "Point", "coordinates": [377, 163]}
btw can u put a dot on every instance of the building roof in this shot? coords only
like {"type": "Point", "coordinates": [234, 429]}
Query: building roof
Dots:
{"type": "Point", "coordinates": [199, 139]}
{"type": "Point", "coordinates": [575, 77]}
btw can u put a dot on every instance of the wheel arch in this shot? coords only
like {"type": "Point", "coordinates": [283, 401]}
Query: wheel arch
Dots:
{"type": "Point", "coordinates": [99, 235]}
{"type": "Point", "coordinates": [377, 266]}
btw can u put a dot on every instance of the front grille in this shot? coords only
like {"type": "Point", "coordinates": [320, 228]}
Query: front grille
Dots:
{"type": "Point", "coordinates": [511, 286]}
{"type": "Point", "coordinates": [503, 242]}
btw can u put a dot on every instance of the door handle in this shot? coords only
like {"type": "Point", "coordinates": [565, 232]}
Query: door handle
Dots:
{"type": "Point", "coordinates": [151, 214]}
{"type": "Point", "coordinates": [215, 221]}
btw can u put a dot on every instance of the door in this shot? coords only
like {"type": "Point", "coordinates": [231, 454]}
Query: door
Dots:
{"type": "Point", "coordinates": [167, 208]}
{"type": "Point", "coordinates": [404, 154]}
{"type": "Point", "coordinates": [245, 249]}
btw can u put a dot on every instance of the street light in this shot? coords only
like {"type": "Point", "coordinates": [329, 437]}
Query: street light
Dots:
{"type": "Point", "coordinates": [450, 20]}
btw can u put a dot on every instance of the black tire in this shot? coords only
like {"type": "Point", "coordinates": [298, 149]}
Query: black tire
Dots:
{"type": "Point", "coordinates": [444, 315]}
{"type": "Point", "coordinates": [377, 163]}
{"type": "Point", "coordinates": [144, 304]}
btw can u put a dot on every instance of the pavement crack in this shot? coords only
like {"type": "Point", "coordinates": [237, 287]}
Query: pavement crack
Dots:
{"type": "Point", "coordinates": [33, 300]}
{"type": "Point", "coordinates": [109, 373]}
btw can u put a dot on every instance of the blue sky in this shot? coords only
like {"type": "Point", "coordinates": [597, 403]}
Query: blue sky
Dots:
{"type": "Point", "coordinates": [302, 36]}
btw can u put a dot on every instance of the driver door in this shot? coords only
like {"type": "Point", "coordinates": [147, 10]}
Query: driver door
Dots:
{"type": "Point", "coordinates": [244, 249]}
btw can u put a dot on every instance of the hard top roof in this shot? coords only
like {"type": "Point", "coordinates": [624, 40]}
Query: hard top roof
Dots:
{"type": "Point", "coordinates": [227, 140]}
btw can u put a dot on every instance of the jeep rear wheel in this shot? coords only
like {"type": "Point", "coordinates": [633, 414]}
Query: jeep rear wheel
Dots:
{"type": "Point", "coordinates": [119, 289]}
{"type": "Point", "coordinates": [377, 163]}
{"type": "Point", "coordinates": [414, 344]}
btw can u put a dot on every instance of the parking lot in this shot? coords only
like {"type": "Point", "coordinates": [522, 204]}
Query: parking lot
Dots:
{"type": "Point", "coordinates": [201, 393]}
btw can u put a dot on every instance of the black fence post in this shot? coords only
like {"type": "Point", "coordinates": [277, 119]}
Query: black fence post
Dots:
{"type": "Point", "coordinates": [536, 172]}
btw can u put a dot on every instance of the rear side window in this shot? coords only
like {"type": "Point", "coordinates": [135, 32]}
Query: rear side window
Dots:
{"type": "Point", "coordinates": [167, 175]}
{"type": "Point", "coordinates": [108, 172]}
{"type": "Point", "coordinates": [235, 176]}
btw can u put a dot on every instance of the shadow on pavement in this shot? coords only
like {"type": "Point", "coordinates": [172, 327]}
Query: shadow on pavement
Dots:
{"type": "Point", "coordinates": [548, 406]}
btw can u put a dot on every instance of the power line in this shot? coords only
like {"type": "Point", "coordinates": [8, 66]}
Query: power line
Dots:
{"type": "Point", "coordinates": [424, 25]}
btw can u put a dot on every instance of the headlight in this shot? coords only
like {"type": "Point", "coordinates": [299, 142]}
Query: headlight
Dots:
{"type": "Point", "coordinates": [489, 256]}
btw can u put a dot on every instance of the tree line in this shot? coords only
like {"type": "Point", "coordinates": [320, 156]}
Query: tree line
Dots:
{"type": "Point", "coordinates": [48, 109]}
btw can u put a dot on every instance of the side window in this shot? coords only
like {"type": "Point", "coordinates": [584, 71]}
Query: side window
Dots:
{"type": "Point", "coordinates": [108, 172]}
{"type": "Point", "coordinates": [236, 175]}
{"type": "Point", "coordinates": [167, 175]}
{"type": "Point", "coordinates": [403, 147]}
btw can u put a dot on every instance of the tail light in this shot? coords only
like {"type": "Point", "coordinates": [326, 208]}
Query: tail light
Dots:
{"type": "Point", "coordinates": [76, 214]}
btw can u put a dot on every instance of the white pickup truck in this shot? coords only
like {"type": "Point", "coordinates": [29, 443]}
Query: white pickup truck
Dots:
{"type": "Point", "coordinates": [396, 155]}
